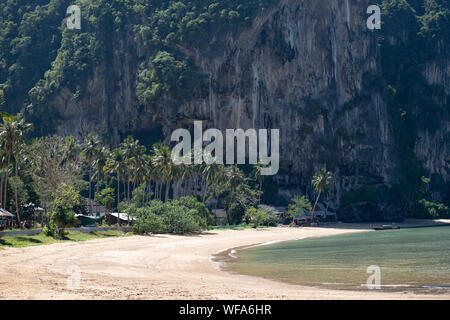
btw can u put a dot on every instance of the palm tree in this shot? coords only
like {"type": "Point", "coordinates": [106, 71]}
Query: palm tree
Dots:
{"type": "Point", "coordinates": [209, 173]}
{"type": "Point", "coordinates": [258, 176]}
{"type": "Point", "coordinates": [220, 179]}
{"type": "Point", "coordinates": [234, 177]}
{"type": "Point", "coordinates": [99, 163]}
{"type": "Point", "coordinates": [90, 150]}
{"type": "Point", "coordinates": [321, 180]}
{"type": "Point", "coordinates": [162, 161]}
{"type": "Point", "coordinates": [148, 173]}
{"type": "Point", "coordinates": [116, 164]}
{"type": "Point", "coordinates": [12, 134]}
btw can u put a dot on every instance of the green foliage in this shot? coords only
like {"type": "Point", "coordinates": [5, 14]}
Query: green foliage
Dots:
{"type": "Point", "coordinates": [425, 209]}
{"type": "Point", "coordinates": [180, 220]}
{"type": "Point", "coordinates": [106, 198]}
{"type": "Point", "coordinates": [148, 222]}
{"type": "Point", "coordinates": [256, 216]}
{"type": "Point", "coordinates": [204, 216]}
{"type": "Point", "coordinates": [184, 215]}
{"type": "Point", "coordinates": [39, 55]}
{"type": "Point", "coordinates": [167, 76]}
{"type": "Point", "coordinates": [235, 213]}
{"type": "Point", "coordinates": [272, 218]}
{"type": "Point", "coordinates": [50, 231]}
{"type": "Point", "coordinates": [65, 200]}
{"type": "Point", "coordinates": [299, 206]}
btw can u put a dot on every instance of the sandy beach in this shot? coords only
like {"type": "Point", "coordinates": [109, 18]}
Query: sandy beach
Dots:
{"type": "Point", "coordinates": [165, 267]}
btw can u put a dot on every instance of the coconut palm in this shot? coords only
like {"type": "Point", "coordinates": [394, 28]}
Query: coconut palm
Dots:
{"type": "Point", "coordinates": [321, 180]}
{"type": "Point", "coordinates": [116, 164]}
{"type": "Point", "coordinates": [258, 176]}
{"type": "Point", "coordinates": [209, 172]}
{"type": "Point", "coordinates": [12, 135]}
{"type": "Point", "coordinates": [99, 163]}
{"type": "Point", "coordinates": [162, 162]}
{"type": "Point", "coordinates": [90, 149]}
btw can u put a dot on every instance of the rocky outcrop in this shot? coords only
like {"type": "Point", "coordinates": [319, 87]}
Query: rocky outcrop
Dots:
{"type": "Point", "coordinates": [304, 67]}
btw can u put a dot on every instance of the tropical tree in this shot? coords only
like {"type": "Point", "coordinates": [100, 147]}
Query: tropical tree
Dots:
{"type": "Point", "coordinates": [106, 198]}
{"type": "Point", "coordinates": [164, 167]}
{"type": "Point", "coordinates": [298, 207]}
{"type": "Point", "coordinates": [90, 149]}
{"type": "Point", "coordinates": [209, 173]}
{"type": "Point", "coordinates": [12, 136]}
{"type": "Point", "coordinates": [258, 176]}
{"type": "Point", "coordinates": [256, 216]}
{"type": "Point", "coordinates": [99, 163]}
{"type": "Point", "coordinates": [53, 161]}
{"type": "Point", "coordinates": [116, 164]}
{"type": "Point", "coordinates": [321, 180]}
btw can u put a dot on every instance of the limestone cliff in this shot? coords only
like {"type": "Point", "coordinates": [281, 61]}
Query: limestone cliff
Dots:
{"type": "Point", "coordinates": [310, 68]}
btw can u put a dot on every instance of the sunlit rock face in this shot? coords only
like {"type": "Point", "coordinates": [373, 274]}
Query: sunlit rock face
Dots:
{"type": "Point", "coordinates": [306, 67]}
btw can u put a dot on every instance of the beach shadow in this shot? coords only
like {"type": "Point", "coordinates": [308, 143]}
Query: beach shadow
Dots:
{"type": "Point", "coordinates": [194, 234]}
{"type": "Point", "coordinates": [32, 240]}
{"type": "Point", "coordinates": [4, 242]}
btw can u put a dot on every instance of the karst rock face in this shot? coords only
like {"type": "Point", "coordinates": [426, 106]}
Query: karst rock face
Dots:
{"type": "Point", "coordinates": [306, 67]}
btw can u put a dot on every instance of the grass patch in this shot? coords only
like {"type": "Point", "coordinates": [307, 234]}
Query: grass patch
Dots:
{"type": "Point", "coordinates": [72, 236]}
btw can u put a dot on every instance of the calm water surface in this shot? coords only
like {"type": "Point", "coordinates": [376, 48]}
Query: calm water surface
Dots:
{"type": "Point", "coordinates": [415, 259]}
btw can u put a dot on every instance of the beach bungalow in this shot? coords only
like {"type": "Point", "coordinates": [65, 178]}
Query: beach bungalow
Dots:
{"type": "Point", "coordinates": [6, 219]}
{"type": "Point", "coordinates": [220, 217]}
{"type": "Point", "coordinates": [324, 213]}
{"type": "Point", "coordinates": [124, 218]}
{"type": "Point", "coordinates": [88, 221]}
{"type": "Point", "coordinates": [94, 208]}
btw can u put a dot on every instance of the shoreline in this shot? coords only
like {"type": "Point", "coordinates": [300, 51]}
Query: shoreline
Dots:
{"type": "Point", "coordinates": [224, 258]}
{"type": "Point", "coordinates": [165, 267]}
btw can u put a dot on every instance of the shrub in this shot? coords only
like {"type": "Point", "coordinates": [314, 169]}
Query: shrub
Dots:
{"type": "Point", "coordinates": [181, 220]}
{"type": "Point", "coordinates": [272, 219]}
{"type": "Point", "coordinates": [425, 209]}
{"type": "Point", "coordinates": [50, 231]}
{"type": "Point", "coordinates": [149, 223]}
{"type": "Point", "coordinates": [205, 217]}
{"type": "Point", "coordinates": [256, 216]}
{"type": "Point", "coordinates": [63, 218]}
{"type": "Point", "coordinates": [235, 213]}
{"type": "Point", "coordinates": [299, 206]}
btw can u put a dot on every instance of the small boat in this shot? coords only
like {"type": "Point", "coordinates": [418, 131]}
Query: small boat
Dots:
{"type": "Point", "coordinates": [386, 227]}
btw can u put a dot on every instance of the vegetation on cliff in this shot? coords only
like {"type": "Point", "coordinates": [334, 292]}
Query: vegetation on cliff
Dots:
{"type": "Point", "coordinates": [39, 56]}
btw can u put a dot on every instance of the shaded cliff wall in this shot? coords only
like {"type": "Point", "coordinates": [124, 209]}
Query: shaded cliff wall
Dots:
{"type": "Point", "coordinates": [310, 68]}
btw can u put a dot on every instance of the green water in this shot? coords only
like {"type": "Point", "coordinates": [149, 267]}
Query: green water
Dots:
{"type": "Point", "coordinates": [408, 258]}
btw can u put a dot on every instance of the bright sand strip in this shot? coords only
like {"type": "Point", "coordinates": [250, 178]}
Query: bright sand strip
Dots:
{"type": "Point", "coordinates": [164, 267]}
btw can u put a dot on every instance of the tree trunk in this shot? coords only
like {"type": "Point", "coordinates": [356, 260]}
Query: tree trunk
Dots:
{"type": "Point", "coordinates": [90, 189]}
{"type": "Point", "coordinates": [118, 197]}
{"type": "Point", "coordinates": [1, 189]}
{"type": "Point", "coordinates": [166, 198]}
{"type": "Point", "coordinates": [315, 204]}
{"type": "Point", "coordinates": [6, 181]}
{"type": "Point", "coordinates": [128, 186]}
{"type": "Point", "coordinates": [205, 191]}
{"type": "Point", "coordinates": [16, 167]}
